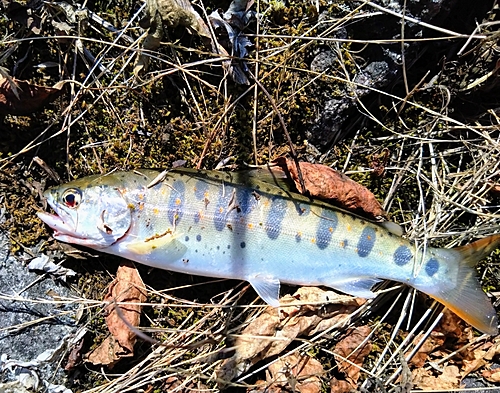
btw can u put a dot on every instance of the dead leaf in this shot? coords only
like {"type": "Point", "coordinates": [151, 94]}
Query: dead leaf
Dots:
{"type": "Point", "coordinates": [352, 348]}
{"type": "Point", "coordinates": [434, 341]}
{"type": "Point", "coordinates": [425, 380]}
{"type": "Point", "coordinates": [379, 162]}
{"type": "Point", "coordinates": [451, 325]}
{"type": "Point", "coordinates": [21, 98]}
{"type": "Point", "coordinates": [176, 384]}
{"type": "Point", "coordinates": [270, 333]}
{"type": "Point", "coordinates": [127, 288]}
{"type": "Point", "coordinates": [476, 363]}
{"type": "Point", "coordinates": [328, 184]}
{"type": "Point", "coordinates": [492, 375]}
{"type": "Point", "coordinates": [301, 373]}
{"type": "Point", "coordinates": [340, 386]}
{"type": "Point", "coordinates": [171, 13]}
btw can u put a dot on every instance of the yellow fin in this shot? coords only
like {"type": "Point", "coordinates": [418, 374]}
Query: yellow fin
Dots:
{"type": "Point", "coordinates": [165, 242]}
{"type": "Point", "coordinates": [466, 298]}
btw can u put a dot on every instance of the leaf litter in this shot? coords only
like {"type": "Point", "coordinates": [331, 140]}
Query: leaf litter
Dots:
{"type": "Point", "coordinates": [310, 311]}
{"type": "Point", "coordinates": [125, 297]}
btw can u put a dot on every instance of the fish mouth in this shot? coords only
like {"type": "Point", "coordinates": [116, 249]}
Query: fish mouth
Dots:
{"type": "Point", "coordinates": [60, 226]}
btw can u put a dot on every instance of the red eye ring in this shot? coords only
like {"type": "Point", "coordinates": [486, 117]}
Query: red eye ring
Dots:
{"type": "Point", "coordinates": [72, 197]}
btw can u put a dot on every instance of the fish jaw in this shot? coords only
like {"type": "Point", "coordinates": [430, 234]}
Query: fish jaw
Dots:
{"type": "Point", "coordinates": [64, 232]}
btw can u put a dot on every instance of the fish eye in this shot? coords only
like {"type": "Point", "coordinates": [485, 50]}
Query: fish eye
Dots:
{"type": "Point", "coordinates": [72, 197]}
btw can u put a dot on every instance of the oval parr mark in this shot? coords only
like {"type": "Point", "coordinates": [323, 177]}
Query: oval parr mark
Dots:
{"type": "Point", "coordinates": [327, 225]}
{"type": "Point", "coordinates": [432, 267]}
{"type": "Point", "coordinates": [176, 202]}
{"type": "Point", "coordinates": [222, 207]}
{"type": "Point", "coordinates": [366, 242]}
{"type": "Point", "coordinates": [200, 189]}
{"type": "Point", "coordinates": [246, 200]}
{"type": "Point", "coordinates": [402, 256]}
{"type": "Point", "coordinates": [275, 217]}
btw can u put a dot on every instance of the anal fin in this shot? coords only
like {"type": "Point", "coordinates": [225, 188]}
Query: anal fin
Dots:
{"type": "Point", "coordinates": [268, 288]}
{"type": "Point", "coordinates": [360, 288]}
{"type": "Point", "coordinates": [167, 243]}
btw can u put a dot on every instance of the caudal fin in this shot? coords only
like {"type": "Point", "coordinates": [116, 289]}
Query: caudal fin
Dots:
{"type": "Point", "coordinates": [466, 298]}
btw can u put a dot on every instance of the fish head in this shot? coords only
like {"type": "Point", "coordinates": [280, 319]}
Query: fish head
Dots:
{"type": "Point", "coordinates": [88, 212]}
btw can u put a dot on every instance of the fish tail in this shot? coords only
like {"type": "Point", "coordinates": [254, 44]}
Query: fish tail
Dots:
{"type": "Point", "coordinates": [464, 296]}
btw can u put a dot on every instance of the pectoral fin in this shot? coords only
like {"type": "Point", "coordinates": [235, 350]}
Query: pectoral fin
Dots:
{"type": "Point", "coordinates": [268, 288]}
{"type": "Point", "coordinates": [166, 243]}
{"type": "Point", "coordinates": [360, 288]}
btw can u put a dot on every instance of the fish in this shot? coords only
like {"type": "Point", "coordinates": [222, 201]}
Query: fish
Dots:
{"type": "Point", "coordinates": [237, 226]}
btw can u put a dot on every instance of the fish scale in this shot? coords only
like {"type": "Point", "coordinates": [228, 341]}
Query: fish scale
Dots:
{"type": "Point", "coordinates": [234, 226]}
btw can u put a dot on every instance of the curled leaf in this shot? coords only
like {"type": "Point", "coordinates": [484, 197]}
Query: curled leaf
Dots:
{"type": "Point", "coordinates": [328, 184]}
{"type": "Point", "coordinates": [352, 351]}
{"type": "Point", "coordinates": [20, 98]}
{"type": "Point", "coordinates": [125, 293]}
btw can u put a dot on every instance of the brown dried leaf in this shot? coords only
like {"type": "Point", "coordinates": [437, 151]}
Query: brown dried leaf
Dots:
{"type": "Point", "coordinates": [272, 332]}
{"type": "Point", "coordinates": [340, 386]}
{"type": "Point", "coordinates": [20, 98]}
{"type": "Point", "coordinates": [449, 379]}
{"type": "Point", "coordinates": [492, 375]}
{"type": "Point", "coordinates": [469, 366]}
{"type": "Point", "coordinates": [301, 373]}
{"type": "Point", "coordinates": [451, 325]}
{"type": "Point", "coordinates": [352, 348]}
{"type": "Point", "coordinates": [434, 341]}
{"type": "Point", "coordinates": [171, 13]}
{"type": "Point", "coordinates": [328, 184]}
{"type": "Point", "coordinates": [127, 288]}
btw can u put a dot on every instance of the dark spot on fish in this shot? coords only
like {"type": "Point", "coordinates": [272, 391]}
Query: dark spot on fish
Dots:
{"type": "Point", "coordinates": [196, 250]}
{"type": "Point", "coordinates": [389, 234]}
{"type": "Point", "coordinates": [298, 237]}
{"type": "Point", "coordinates": [230, 227]}
{"type": "Point", "coordinates": [216, 176]}
{"type": "Point", "coordinates": [218, 247]}
{"type": "Point", "coordinates": [197, 217]}
{"type": "Point", "coordinates": [366, 242]}
{"type": "Point", "coordinates": [275, 217]}
{"type": "Point", "coordinates": [198, 238]}
{"type": "Point", "coordinates": [328, 222]}
{"type": "Point", "coordinates": [243, 244]}
{"type": "Point", "coordinates": [345, 243]}
{"type": "Point", "coordinates": [176, 202]}
{"type": "Point", "coordinates": [186, 238]}
{"type": "Point", "coordinates": [185, 260]}
{"type": "Point", "coordinates": [268, 189]}
{"type": "Point", "coordinates": [228, 246]}
{"type": "Point", "coordinates": [432, 266]}
{"type": "Point", "coordinates": [402, 256]}
{"type": "Point", "coordinates": [362, 222]}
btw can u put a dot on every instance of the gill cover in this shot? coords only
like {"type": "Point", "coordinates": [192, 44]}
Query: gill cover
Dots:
{"type": "Point", "coordinates": [91, 215]}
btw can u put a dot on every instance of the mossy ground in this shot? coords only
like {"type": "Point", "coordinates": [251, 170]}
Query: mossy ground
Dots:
{"type": "Point", "coordinates": [204, 118]}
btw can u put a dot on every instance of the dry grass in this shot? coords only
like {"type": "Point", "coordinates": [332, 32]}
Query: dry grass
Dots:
{"type": "Point", "coordinates": [439, 182]}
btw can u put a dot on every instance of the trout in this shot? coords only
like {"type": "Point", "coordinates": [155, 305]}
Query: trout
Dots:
{"type": "Point", "coordinates": [230, 225]}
